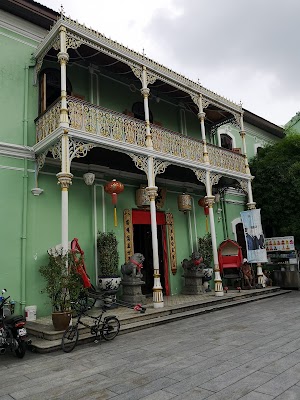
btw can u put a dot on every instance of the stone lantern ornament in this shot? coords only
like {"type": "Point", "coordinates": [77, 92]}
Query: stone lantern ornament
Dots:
{"type": "Point", "coordinates": [114, 188]}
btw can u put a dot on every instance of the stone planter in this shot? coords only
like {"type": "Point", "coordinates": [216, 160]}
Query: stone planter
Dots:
{"type": "Point", "coordinates": [109, 283]}
{"type": "Point", "coordinates": [193, 281]}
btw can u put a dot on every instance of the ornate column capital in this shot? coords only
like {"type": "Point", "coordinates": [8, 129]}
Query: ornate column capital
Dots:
{"type": "Point", "coordinates": [251, 206]}
{"type": "Point", "coordinates": [145, 92]}
{"type": "Point", "coordinates": [64, 180]}
{"type": "Point", "coordinates": [210, 201]}
{"type": "Point", "coordinates": [242, 133]}
{"type": "Point", "coordinates": [201, 115]}
{"type": "Point", "coordinates": [63, 57]}
{"type": "Point", "coordinates": [152, 192]}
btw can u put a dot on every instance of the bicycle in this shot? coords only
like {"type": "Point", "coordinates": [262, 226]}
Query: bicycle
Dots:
{"type": "Point", "coordinates": [108, 328]}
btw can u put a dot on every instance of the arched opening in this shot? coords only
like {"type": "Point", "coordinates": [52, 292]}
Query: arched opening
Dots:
{"type": "Point", "coordinates": [226, 141]}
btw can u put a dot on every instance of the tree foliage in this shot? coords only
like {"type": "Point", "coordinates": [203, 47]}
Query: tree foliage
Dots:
{"type": "Point", "coordinates": [276, 186]}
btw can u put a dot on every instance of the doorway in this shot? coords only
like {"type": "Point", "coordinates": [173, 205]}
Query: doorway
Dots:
{"type": "Point", "coordinates": [142, 243]}
{"type": "Point", "coordinates": [240, 238]}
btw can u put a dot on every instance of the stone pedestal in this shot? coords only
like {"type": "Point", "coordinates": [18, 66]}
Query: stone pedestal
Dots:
{"type": "Point", "coordinates": [132, 290]}
{"type": "Point", "coordinates": [193, 282]}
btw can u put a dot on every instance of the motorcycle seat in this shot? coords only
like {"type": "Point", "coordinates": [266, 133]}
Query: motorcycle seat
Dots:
{"type": "Point", "coordinates": [14, 320]}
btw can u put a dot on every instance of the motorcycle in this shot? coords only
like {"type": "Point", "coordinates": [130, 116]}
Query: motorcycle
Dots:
{"type": "Point", "coordinates": [13, 334]}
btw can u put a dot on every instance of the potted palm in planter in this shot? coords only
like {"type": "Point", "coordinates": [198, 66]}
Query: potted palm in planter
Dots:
{"type": "Point", "coordinates": [108, 261]}
{"type": "Point", "coordinates": [63, 285]}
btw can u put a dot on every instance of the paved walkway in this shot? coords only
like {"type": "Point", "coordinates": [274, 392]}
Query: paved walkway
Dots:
{"type": "Point", "coordinates": [249, 352]}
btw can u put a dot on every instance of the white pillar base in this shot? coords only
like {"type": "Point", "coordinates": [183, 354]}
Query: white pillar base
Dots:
{"type": "Point", "coordinates": [158, 300]}
{"type": "Point", "coordinates": [219, 292]}
{"type": "Point", "coordinates": [260, 279]}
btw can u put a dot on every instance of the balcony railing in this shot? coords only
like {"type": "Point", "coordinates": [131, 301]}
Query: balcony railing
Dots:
{"type": "Point", "coordinates": [102, 122]}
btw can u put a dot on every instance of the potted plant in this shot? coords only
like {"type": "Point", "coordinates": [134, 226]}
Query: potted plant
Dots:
{"type": "Point", "coordinates": [63, 285]}
{"type": "Point", "coordinates": [206, 250]}
{"type": "Point", "coordinates": [108, 261]}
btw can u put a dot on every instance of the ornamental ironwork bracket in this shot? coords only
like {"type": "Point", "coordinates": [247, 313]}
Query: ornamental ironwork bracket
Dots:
{"type": "Point", "coordinates": [138, 72]}
{"type": "Point", "coordinates": [243, 184]}
{"type": "Point", "coordinates": [142, 162]}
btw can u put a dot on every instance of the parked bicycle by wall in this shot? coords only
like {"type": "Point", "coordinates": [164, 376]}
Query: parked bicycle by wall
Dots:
{"type": "Point", "coordinates": [106, 328]}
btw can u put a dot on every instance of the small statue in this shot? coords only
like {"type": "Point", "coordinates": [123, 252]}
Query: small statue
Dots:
{"type": "Point", "coordinates": [133, 267]}
{"type": "Point", "coordinates": [194, 264]}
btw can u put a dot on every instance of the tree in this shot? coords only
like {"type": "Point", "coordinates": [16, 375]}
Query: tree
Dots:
{"type": "Point", "coordinates": [276, 186]}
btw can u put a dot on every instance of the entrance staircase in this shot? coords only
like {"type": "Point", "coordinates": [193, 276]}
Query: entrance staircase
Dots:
{"type": "Point", "coordinates": [46, 339]}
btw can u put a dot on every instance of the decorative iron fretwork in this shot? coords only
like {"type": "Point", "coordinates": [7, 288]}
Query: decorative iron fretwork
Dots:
{"type": "Point", "coordinates": [141, 162]}
{"type": "Point", "coordinates": [169, 142]}
{"type": "Point", "coordinates": [79, 149]}
{"type": "Point", "coordinates": [172, 243]}
{"type": "Point", "coordinates": [72, 41]}
{"type": "Point", "coordinates": [56, 150]}
{"type": "Point", "coordinates": [214, 178]}
{"type": "Point", "coordinates": [243, 184]}
{"type": "Point", "coordinates": [159, 166]}
{"type": "Point", "coordinates": [48, 122]}
{"type": "Point", "coordinates": [201, 175]}
{"type": "Point", "coordinates": [226, 159]}
{"type": "Point", "coordinates": [128, 234]}
{"type": "Point", "coordinates": [40, 160]}
{"type": "Point", "coordinates": [101, 122]}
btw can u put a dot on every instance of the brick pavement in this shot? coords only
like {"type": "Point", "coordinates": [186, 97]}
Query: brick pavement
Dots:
{"type": "Point", "coordinates": [249, 352]}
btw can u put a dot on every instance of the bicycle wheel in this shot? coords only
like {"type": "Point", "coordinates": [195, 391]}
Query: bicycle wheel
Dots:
{"type": "Point", "coordinates": [110, 329]}
{"type": "Point", "coordinates": [69, 339]}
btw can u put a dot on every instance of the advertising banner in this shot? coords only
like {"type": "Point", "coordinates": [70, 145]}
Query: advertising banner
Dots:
{"type": "Point", "coordinates": [283, 243]}
{"type": "Point", "coordinates": [255, 242]}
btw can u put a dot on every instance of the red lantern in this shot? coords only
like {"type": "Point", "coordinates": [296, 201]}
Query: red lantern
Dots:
{"type": "Point", "coordinates": [114, 188]}
{"type": "Point", "coordinates": [202, 203]}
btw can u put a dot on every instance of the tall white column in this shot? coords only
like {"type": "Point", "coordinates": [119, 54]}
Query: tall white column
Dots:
{"type": "Point", "coordinates": [158, 300]}
{"type": "Point", "coordinates": [64, 177]}
{"type": "Point", "coordinates": [210, 202]}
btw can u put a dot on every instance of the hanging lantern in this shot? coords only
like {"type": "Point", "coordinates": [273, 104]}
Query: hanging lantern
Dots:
{"type": "Point", "coordinates": [184, 202]}
{"type": "Point", "coordinates": [114, 188]}
{"type": "Point", "coordinates": [142, 198]}
{"type": "Point", "coordinates": [203, 203]}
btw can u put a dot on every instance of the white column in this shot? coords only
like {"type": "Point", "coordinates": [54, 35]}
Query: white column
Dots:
{"type": "Point", "coordinates": [64, 177]}
{"type": "Point", "coordinates": [201, 116]}
{"type": "Point", "coordinates": [251, 204]}
{"type": "Point", "coordinates": [158, 301]}
{"type": "Point", "coordinates": [210, 202]}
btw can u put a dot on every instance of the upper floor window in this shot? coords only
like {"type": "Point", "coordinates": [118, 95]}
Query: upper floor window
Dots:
{"type": "Point", "coordinates": [226, 141]}
{"type": "Point", "coordinates": [50, 87]}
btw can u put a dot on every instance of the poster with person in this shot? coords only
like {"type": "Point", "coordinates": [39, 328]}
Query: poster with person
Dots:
{"type": "Point", "coordinates": [255, 242]}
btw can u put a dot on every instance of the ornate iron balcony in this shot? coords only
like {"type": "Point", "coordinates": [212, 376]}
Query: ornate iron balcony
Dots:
{"type": "Point", "coordinates": [101, 122]}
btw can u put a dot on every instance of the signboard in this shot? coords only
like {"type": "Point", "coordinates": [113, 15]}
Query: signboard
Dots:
{"type": "Point", "coordinates": [283, 243]}
{"type": "Point", "coordinates": [255, 241]}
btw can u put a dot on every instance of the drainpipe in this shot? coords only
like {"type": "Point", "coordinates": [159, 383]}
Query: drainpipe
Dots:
{"type": "Point", "coordinates": [95, 224]}
{"type": "Point", "coordinates": [25, 194]}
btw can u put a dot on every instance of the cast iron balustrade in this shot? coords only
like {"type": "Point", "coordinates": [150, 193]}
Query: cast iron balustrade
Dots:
{"type": "Point", "coordinates": [102, 122]}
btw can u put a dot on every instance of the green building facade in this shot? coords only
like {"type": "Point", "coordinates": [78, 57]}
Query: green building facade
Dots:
{"type": "Point", "coordinates": [177, 136]}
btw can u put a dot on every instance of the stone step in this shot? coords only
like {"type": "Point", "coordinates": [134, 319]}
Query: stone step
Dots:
{"type": "Point", "coordinates": [40, 345]}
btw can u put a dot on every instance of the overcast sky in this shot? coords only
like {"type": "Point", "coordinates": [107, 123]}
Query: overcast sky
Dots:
{"type": "Point", "coordinates": [245, 50]}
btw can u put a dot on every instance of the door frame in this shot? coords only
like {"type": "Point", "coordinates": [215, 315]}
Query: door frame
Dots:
{"type": "Point", "coordinates": [162, 218]}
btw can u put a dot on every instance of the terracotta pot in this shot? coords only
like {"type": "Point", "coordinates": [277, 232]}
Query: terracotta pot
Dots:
{"type": "Point", "coordinates": [61, 320]}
